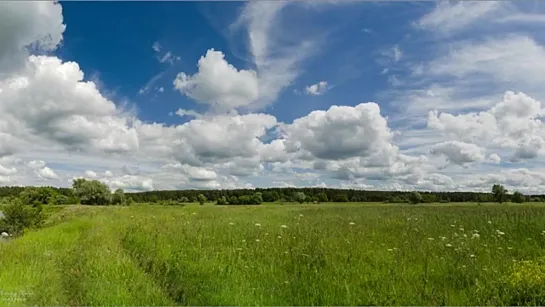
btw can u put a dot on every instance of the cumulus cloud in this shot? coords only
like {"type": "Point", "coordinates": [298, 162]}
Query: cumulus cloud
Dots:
{"type": "Point", "coordinates": [38, 25]}
{"type": "Point", "coordinates": [47, 173]}
{"type": "Point", "coordinates": [317, 89]}
{"type": "Point", "coordinates": [459, 152]}
{"type": "Point", "coordinates": [512, 124]}
{"type": "Point", "coordinates": [90, 174]}
{"type": "Point", "coordinates": [70, 111]}
{"type": "Point", "coordinates": [219, 83]}
{"type": "Point", "coordinates": [5, 171]}
{"type": "Point", "coordinates": [130, 182]}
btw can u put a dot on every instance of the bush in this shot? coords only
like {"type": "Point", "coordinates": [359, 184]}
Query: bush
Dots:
{"type": "Point", "coordinates": [415, 198]}
{"type": "Point", "coordinates": [222, 201]}
{"type": "Point", "coordinates": [118, 198]}
{"type": "Point", "coordinates": [517, 197]}
{"type": "Point", "coordinates": [92, 192]}
{"type": "Point", "coordinates": [202, 199]}
{"type": "Point", "coordinates": [39, 196]}
{"type": "Point", "coordinates": [18, 217]}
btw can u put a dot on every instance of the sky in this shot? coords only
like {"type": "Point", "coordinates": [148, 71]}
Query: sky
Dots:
{"type": "Point", "coordinates": [429, 96]}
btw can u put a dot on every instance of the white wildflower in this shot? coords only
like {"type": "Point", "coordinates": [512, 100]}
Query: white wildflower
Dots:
{"type": "Point", "coordinates": [390, 250]}
{"type": "Point", "coordinates": [452, 225]}
{"type": "Point", "coordinates": [243, 241]}
{"type": "Point", "coordinates": [284, 226]}
{"type": "Point", "coordinates": [461, 229]}
{"type": "Point", "coordinates": [279, 237]}
{"type": "Point", "coordinates": [257, 225]}
{"type": "Point", "coordinates": [465, 236]}
{"type": "Point", "coordinates": [475, 236]}
{"type": "Point", "coordinates": [431, 239]}
{"type": "Point", "coordinates": [448, 245]}
{"type": "Point", "coordinates": [4, 234]}
{"type": "Point", "coordinates": [489, 222]}
{"type": "Point", "coordinates": [352, 223]}
{"type": "Point", "coordinates": [472, 256]}
{"type": "Point", "coordinates": [239, 249]}
{"type": "Point", "coordinates": [257, 240]}
{"type": "Point", "coordinates": [300, 215]}
{"type": "Point", "coordinates": [231, 224]}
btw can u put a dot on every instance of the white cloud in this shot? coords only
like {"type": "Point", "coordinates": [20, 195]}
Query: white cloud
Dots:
{"type": "Point", "coordinates": [35, 164]}
{"type": "Point", "coordinates": [317, 89]}
{"type": "Point", "coordinates": [130, 182]}
{"type": "Point", "coordinates": [219, 83]}
{"type": "Point", "coordinates": [108, 174]}
{"type": "Point", "coordinates": [90, 174]}
{"type": "Point", "coordinates": [37, 24]}
{"type": "Point", "coordinates": [127, 170]}
{"type": "Point", "coordinates": [156, 47]}
{"type": "Point", "coordinates": [459, 152]}
{"type": "Point", "coordinates": [494, 158]}
{"type": "Point", "coordinates": [4, 171]}
{"type": "Point", "coordinates": [451, 16]}
{"type": "Point", "coordinates": [511, 124]}
{"type": "Point", "coordinates": [47, 173]}
{"type": "Point", "coordinates": [70, 111]}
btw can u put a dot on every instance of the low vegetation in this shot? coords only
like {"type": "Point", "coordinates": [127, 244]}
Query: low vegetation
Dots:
{"type": "Point", "coordinates": [332, 254]}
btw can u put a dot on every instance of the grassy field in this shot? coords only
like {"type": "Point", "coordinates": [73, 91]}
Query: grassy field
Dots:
{"type": "Point", "coordinates": [327, 254]}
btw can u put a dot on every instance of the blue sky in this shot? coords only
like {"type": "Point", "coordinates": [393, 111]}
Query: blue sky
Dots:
{"type": "Point", "coordinates": [370, 95]}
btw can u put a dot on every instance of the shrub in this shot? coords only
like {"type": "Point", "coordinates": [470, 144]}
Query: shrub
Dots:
{"type": "Point", "coordinates": [222, 201]}
{"type": "Point", "coordinates": [415, 198]}
{"type": "Point", "coordinates": [38, 196]}
{"type": "Point", "coordinates": [18, 217]}
{"type": "Point", "coordinates": [202, 199]}
{"type": "Point", "coordinates": [118, 198]}
{"type": "Point", "coordinates": [517, 197]}
{"type": "Point", "coordinates": [92, 192]}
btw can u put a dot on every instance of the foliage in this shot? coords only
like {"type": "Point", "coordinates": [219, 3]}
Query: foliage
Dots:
{"type": "Point", "coordinates": [300, 197]}
{"type": "Point", "coordinates": [91, 192]}
{"type": "Point", "coordinates": [222, 201]}
{"type": "Point", "coordinates": [118, 198]}
{"type": "Point", "coordinates": [499, 193]}
{"type": "Point", "coordinates": [415, 198]}
{"type": "Point", "coordinates": [35, 196]}
{"type": "Point", "coordinates": [527, 281]}
{"type": "Point", "coordinates": [18, 217]}
{"type": "Point", "coordinates": [517, 197]}
{"type": "Point", "coordinates": [202, 199]}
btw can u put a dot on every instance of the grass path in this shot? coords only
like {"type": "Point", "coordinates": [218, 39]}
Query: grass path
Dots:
{"type": "Point", "coordinates": [278, 255]}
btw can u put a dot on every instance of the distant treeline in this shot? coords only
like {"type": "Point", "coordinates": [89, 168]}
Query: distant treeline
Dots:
{"type": "Point", "coordinates": [293, 195]}
{"type": "Point", "coordinates": [320, 195]}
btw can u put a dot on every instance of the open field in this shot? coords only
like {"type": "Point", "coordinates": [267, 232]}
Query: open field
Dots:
{"type": "Point", "coordinates": [327, 254]}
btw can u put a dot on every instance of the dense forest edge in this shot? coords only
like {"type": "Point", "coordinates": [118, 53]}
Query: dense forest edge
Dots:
{"type": "Point", "coordinates": [67, 196]}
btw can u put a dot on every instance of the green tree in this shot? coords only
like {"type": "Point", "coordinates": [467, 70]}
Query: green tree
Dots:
{"type": "Point", "coordinates": [92, 192]}
{"type": "Point", "coordinates": [300, 197]}
{"type": "Point", "coordinates": [118, 198]}
{"type": "Point", "coordinates": [415, 198]}
{"type": "Point", "coordinates": [184, 199]}
{"type": "Point", "coordinates": [222, 201]}
{"type": "Point", "coordinates": [517, 197]}
{"type": "Point", "coordinates": [256, 198]}
{"type": "Point", "coordinates": [233, 200]}
{"type": "Point", "coordinates": [499, 192]}
{"type": "Point", "coordinates": [202, 199]}
{"type": "Point", "coordinates": [322, 197]}
{"type": "Point", "coordinates": [130, 201]}
{"type": "Point", "coordinates": [38, 196]}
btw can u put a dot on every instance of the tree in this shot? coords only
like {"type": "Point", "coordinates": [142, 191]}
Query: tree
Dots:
{"type": "Point", "coordinates": [499, 192]}
{"type": "Point", "coordinates": [38, 196]}
{"type": "Point", "coordinates": [202, 199]}
{"type": "Point", "coordinates": [256, 199]}
{"type": "Point", "coordinates": [322, 197]}
{"type": "Point", "coordinates": [517, 197]}
{"type": "Point", "coordinates": [130, 201]}
{"type": "Point", "coordinates": [415, 198]}
{"type": "Point", "coordinates": [270, 196]}
{"type": "Point", "coordinates": [92, 192]}
{"type": "Point", "coordinates": [233, 200]}
{"type": "Point", "coordinates": [300, 197]}
{"type": "Point", "coordinates": [118, 198]}
{"type": "Point", "coordinates": [184, 199]}
{"type": "Point", "coordinates": [222, 201]}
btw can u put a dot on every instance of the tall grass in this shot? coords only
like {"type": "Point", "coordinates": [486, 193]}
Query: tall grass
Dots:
{"type": "Point", "coordinates": [280, 255]}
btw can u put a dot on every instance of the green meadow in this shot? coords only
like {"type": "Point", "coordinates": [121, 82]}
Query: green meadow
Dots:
{"type": "Point", "coordinates": [325, 254]}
